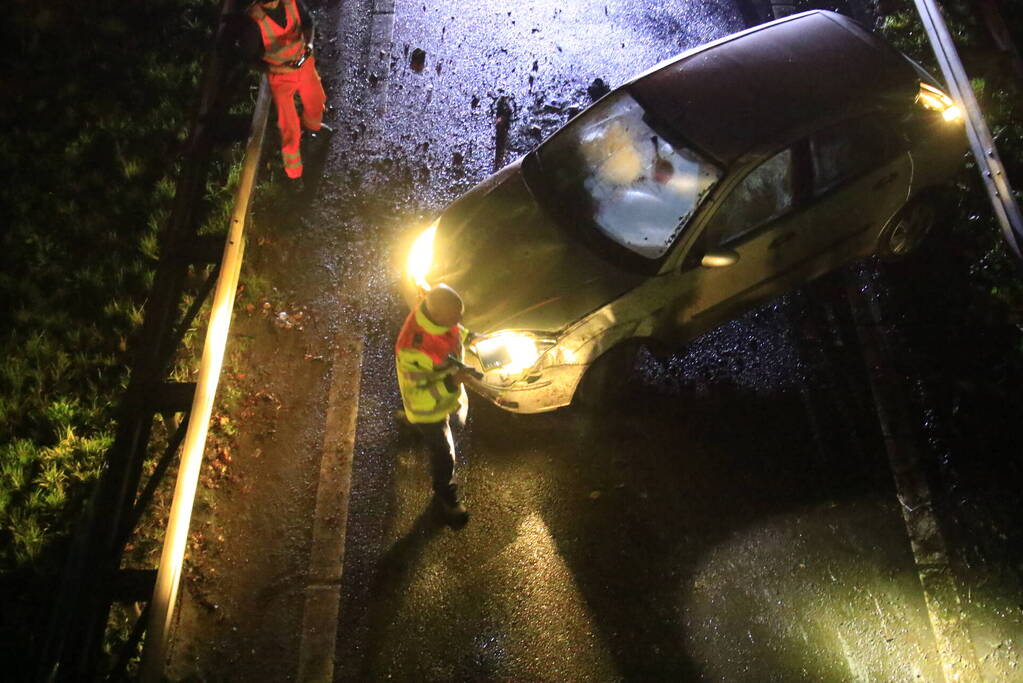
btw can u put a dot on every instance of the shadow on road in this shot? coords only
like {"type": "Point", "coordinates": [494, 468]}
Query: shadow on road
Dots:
{"type": "Point", "coordinates": [637, 506]}
{"type": "Point", "coordinates": [393, 575]}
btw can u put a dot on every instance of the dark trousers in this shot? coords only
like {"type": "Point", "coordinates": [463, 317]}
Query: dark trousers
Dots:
{"type": "Point", "coordinates": [441, 444]}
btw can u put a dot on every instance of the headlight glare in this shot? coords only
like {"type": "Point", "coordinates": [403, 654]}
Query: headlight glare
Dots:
{"type": "Point", "coordinates": [953, 113]}
{"type": "Point", "coordinates": [934, 99]}
{"type": "Point", "coordinates": [511, 352]}
{"type": "Point", "coordinates": [420, 257]}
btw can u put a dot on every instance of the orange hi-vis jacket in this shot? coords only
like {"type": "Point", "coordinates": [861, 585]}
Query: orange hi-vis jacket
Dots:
{"type": "Point", "coordinates": [421, 358]}
{"type": "Point", "coordinates": [281, 46]}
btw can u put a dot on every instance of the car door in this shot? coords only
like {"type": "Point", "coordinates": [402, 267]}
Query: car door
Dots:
{"type": "Point", "coordinates": [806, 210]}
{"type": "Point", "coordinates": [859, 177]}
{"type": "Point", "coordinates": [754, 223]}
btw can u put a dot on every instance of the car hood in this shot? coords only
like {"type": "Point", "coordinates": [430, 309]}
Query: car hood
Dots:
{"type": "Point", "coordinates": [514, 266]}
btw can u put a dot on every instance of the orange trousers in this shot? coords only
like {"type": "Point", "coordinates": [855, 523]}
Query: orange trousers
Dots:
{"type": "Point", "coordinates": [304, 81]}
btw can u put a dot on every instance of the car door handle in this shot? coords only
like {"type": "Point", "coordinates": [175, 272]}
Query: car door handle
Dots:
{"type": "Point", "coordinates": [780, 240]}
{"type": "Point", "coordinates": [887, 180]}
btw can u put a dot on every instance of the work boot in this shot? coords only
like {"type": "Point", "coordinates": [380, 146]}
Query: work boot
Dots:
{"type": "Point", "coordinates": [455, 514]}
{"type": "Point", "coordinates": [323, 132]}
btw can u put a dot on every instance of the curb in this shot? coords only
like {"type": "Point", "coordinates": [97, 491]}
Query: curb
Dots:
{"type": "Point", "coordinates": [942, 598]}
{"type": "Point", "coordinates": [326, 561]}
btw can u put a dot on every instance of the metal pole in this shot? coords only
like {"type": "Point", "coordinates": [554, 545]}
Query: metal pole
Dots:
{"type": "Point", "coordinates": [992, 171]}
{"type": "Point", "coordinates": [161, 607]}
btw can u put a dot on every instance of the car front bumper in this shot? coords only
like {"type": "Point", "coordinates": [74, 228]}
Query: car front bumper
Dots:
{"type": "Point", "coordinates": [540, 392]}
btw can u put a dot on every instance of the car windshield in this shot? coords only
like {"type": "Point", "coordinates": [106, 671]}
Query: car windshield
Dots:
{"type": "Point", "coordinates": [638, 188]}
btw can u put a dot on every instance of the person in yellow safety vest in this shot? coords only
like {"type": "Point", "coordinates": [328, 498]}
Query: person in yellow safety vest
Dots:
{"type": "Point", "coordinates": [431, 385]}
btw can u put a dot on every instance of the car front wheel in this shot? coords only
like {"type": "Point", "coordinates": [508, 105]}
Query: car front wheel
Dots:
{"type": "Point", "coordinates": [606, 381]}
{"type": "Point", "coordinates": [907, 230]}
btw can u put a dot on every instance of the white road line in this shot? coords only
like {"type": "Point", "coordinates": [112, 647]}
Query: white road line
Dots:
{"type": "Point", "coordinates": [944, 607]}
{"type": "Point", "coordinates": [326, 559]}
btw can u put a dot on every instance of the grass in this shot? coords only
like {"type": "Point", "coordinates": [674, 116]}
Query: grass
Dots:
{"type": "Point", "coordinates": [91, 173]}
{"type": "Point", "coordinates": [97, 108]}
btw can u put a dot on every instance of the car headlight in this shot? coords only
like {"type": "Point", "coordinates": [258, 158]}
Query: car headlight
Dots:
{"type": "Point", "coordinates": [420, 256]}
{"type": "Point", "coordinates": [934, 99]}
{"type": "Point", "coordinates": [505, 355]}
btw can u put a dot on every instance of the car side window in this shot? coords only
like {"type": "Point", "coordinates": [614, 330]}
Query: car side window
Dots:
{"type": "Point", "coordinates": [764, 194]}
{"type": "Point", "coordinates": [848, 150]}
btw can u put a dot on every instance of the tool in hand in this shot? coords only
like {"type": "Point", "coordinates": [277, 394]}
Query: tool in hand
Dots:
{"type": "Point", "coordinates": [476, 374]}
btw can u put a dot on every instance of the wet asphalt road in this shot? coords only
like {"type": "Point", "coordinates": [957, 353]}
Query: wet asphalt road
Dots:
{"type": "Point", "coordinates": [736, 519]}
{"type": "Point", "coordinates": [732, 523]}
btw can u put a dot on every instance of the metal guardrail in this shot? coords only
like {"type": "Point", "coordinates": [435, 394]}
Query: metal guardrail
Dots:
{"type": "Point", "coordinates": [161, 607]}
{"type": "Point", "coordinates": [992, 170]}
{"type": "Point", "coordinates": [93, 578]}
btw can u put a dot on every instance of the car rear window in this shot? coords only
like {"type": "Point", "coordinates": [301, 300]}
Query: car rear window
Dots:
{"type": "Point", "coordinates": [848, 150]}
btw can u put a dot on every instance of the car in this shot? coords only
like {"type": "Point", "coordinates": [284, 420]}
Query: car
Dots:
{"type": "Point", "coordinates": [710, 183]}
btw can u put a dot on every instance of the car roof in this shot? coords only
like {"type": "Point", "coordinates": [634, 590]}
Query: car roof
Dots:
{"type": "Point", "coordinates": [766, 86]}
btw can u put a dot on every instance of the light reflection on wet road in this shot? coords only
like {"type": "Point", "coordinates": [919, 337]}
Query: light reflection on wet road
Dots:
{"type": "Point", "coordinates": [707, 530]}
{"type": "Point", "coordinates": [734, 520]}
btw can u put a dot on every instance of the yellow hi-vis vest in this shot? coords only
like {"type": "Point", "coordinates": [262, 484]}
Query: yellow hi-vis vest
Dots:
{"type": "Point", "coordinates": [421, 362]}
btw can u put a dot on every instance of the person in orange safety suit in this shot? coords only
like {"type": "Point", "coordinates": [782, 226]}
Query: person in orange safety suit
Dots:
{"type": "Point", "coordinates": [431, 385]}
{"type": "Point", "coordinates": [280, 36]}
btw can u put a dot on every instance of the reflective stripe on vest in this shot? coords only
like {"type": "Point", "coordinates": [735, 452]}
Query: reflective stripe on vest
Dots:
{"type": "Point", "coordinates": [425, 399]}
{"type": "Point", "coordinates": [281, 45]}
{"type": "Point", "coordinates": [421, 364]}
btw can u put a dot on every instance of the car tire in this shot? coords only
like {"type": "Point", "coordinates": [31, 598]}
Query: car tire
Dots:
{"type": "Point", "coordinates": [606, 381]}
{"type": "Point", "coordinates": [907, 230]}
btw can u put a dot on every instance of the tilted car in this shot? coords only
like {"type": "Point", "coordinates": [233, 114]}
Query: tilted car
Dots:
{"type": "Point", "coordinates": [710, 183]}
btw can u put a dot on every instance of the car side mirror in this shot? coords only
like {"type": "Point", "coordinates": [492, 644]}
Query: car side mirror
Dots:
{"type": "Point", "coordinates": [719, 258]}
